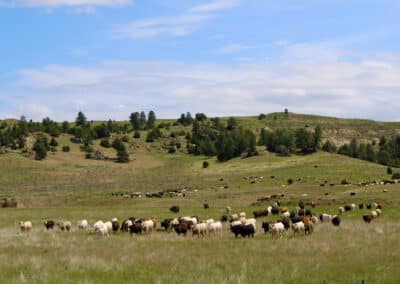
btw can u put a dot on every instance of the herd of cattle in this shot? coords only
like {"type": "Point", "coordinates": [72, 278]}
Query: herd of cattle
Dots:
{"type": "Point", "coordinates": [300, 220]}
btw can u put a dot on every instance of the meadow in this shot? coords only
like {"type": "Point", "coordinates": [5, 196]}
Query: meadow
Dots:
{"type": "Point", "coordinates": [66, 186]}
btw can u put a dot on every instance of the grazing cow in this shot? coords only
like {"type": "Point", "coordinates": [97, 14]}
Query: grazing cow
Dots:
{"type": "Point", "coordinates": [102, 229]}
{"type": "Point", "coordinates": [298, 228]}
{"type": "Point", "coordinates": [314, 219]}
{"type": "Point", "coordinates": [126, 224]}
{"type": "Point", "coordinates": [224, 218]}
{"type": "Point", "coordinates": [166, 224]}
{"type": "Point", "coordinates": [353, 206]}
{"type": "Point", "coordinates": [115, 224]}
{"type": "Point", "coordinates": [25, 226]}
{"type": "Point", "coordinates": [374, 214]}
{"type": "Point", "coordinates": [206, 205]}
{"type": "Point", "coordinates": [341, 210]}
{"type": "Point", "coordinates": [242, 215]}
{"type": "Point", "coordinates": [235, 223]}
{"type": "Point", "coordinates": [274, 210]}
{"type": "Point", "coordinates": [260, 213]}
{"type": "Point", "coordinates": [243, 230]}
{"type": "Point", "coordinates": [277, 229]}
{"type": "Point", "coordinates": [348, 207]}
{"type": "Point", "coordinates": [65, 226]}
{"type": "Point", "coordinates": [285, 222]}
{"type": "Point", "coordinates": [367, 218]}
{"type": "Point", "coordinates": [216, 228]}
{"type": "Point", "coordinates": [286, 214]}
{"type": "Point", "coordinates": [228, 209]}
{"type": "Point", "coordinates": [369, 206]}
{"type": "Point", "coordinates": [181, 228]}
{"type": "Point", "coordinates": [83, 224]}
{"type": "Point", "coordinates": [360, 206]}
{"type": "Point", "coordinates": [379, 206]}
{"type": "Point", "coordinates": [148, 226]}
{"type": "Point", "coordinates": [301, 205]}
{"type": "Point", "coordinates": [379, 211]}
{"type": "Point", "coordinates": [266, 226]}
{"type": "Point", "coordinates": [336, 221]}
{"type": "Point", "coordinates": [233, 217]}
{"type": "Point", "coordinates": [200, 229]}
{"type": "Point", "coordinates": [251, 221]}
{"type": "Point", "coordinates": [308, 228]}
{"type": "Point", "coordinates": [325, 218]}
{"type": "Point", "coordinates": [136, 228]}
{"type": "Point", "coordinates": [174, 209]}
{"type": "Point", "coordinates": [49, 224]}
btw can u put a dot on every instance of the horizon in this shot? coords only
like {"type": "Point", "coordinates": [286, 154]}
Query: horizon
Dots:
{"type": "Point", "coordinates": [224, 58]}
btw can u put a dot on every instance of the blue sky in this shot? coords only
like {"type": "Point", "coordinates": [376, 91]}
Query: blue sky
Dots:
{"type": "Point", "coordinates": [222, 57]}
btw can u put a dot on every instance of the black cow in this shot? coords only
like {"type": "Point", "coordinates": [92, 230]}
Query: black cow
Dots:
{"type": "Point", "coordinates": [243, 230]}
{"type": "Point", "coordinates": [174, 209]}
{"type": "Point", "coordinates": [49, 224]}
{"type": "Point", "coordinates": [166, 224]}
{"type": "Point", "coordinates": [181, 228]}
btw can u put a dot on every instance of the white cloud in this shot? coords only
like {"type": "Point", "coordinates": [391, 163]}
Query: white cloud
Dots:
{"type": "Point", "coordinates": [215, 6]}
{"type": "Point", "coordinates": [172, 26]}
{"type": "Point", "coordinates": [178, 25]}
{"type": "Point", "coordinates": [367, 88]}
{"type": "Point", "coordinates": [66, 3]}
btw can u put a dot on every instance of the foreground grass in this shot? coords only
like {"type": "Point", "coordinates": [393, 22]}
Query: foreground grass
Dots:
{"type": "Point", "coordinates": [346, 254]}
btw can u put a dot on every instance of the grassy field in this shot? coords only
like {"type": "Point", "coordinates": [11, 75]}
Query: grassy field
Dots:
{"type": "Point", "coordinates": [68, 187]}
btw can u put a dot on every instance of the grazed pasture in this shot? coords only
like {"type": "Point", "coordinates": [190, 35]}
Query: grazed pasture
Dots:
{"type": "Point", "coordinates": [67, 187]}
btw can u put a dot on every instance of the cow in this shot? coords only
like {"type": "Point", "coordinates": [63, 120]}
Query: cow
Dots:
{"type": "Point", "coordinates": [367, 218]}
{"type": "Point", "coordinates": [181, 228]}
{"type": "Point", "coordinates": [336, 221]}
{"type": "Point", "coordinates": [260, 213]}
{"type": "Point", "coordinates": [49, 224]}
{"type": "Point", "coordinates": [115, 224]}
{"type": "Point", "coordinates": [83, 224]}
{"type": "Point", "coordinates": [25, 226]}
{"type": "Point", "coordinates": [243, 230]}
{"type": "Point", "coordinates": [174, 209]}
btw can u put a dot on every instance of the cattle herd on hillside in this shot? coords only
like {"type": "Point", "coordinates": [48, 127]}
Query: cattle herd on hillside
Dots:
{"type": "Point", "coordinates": [300, 221]}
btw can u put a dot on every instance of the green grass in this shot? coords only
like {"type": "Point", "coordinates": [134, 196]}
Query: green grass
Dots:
{"type": "Point", "coordinates": [68, 187]}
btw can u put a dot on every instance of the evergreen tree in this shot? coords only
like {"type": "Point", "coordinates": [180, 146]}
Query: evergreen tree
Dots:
{"type": "Point", "coordinates": [80, 119]}
{"type": "Point", "coordinates": [151, 121]}
{"type": "Point", "coordinates": [134, 120]}
{"type": "Point", "coordinates": [142, 120]}
{"type": "Point", "coordinates": [370, 153]}
{"type": "Point", "coordinates": [122, 154]}
{"type": "Point", "coordinates": [41, 147]}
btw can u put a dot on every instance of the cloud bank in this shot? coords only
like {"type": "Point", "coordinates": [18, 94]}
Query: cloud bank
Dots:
{"type": "Point", "coordinates": [113, 89]}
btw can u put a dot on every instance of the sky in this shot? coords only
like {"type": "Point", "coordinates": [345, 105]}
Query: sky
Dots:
{"type": "Point", "coordinates": [109, 58]}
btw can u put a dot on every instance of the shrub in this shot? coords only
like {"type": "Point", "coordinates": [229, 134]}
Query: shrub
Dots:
{"type": "Point", "coordinates": [344, 182]}
{"type": "Point", "coordinates": [206, 164]}
{"type": "Point", "coordinates": [136, 135]}
{"type": "Point", "coordinates": [171, 150]}
{"type": "Point", "coordinates": [105, 143]}
{"type": "Point", "coordinates": [290, 181]}
{"type": "Point", "coordinates": [75, 140]}
{"type": "Point", "coordinates": [396, 176]}
{"type": "Point", "coordinates": [125, 138]}
{"type": "Point", "coordinates": [66, 148]}
{"type": "Point", "coordinates": [53, 142]}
